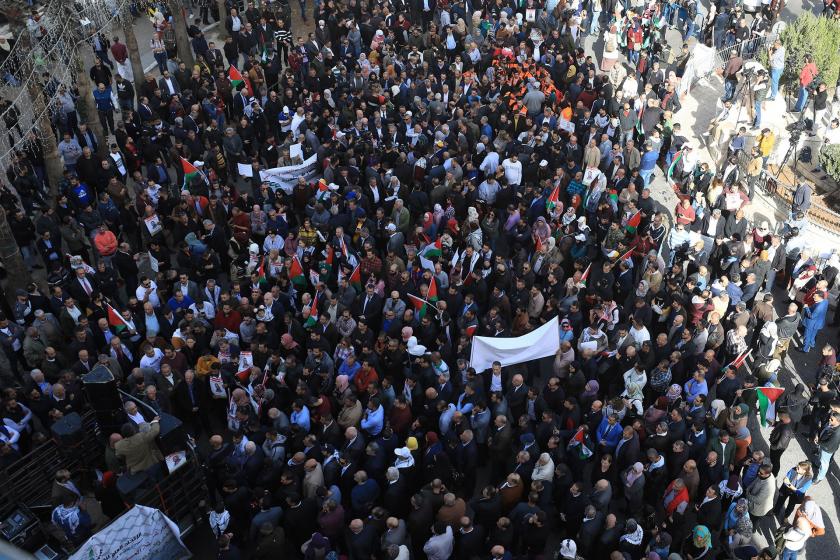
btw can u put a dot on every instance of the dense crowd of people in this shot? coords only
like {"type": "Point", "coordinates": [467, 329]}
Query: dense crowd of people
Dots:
{"type": "Point", "coordinates": [478, 175]}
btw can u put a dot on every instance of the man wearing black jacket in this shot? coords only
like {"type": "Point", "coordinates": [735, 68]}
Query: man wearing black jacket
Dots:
{"type": "Point", "coordinates": [787, 327]}
{"type": "Point", "coordinates": [827, 443]}
{"type": "Point", "coordinates": [777, 252]}
{"type": "Point", "coordinates": [779, 440]}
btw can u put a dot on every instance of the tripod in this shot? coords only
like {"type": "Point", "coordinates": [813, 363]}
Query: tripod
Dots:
{"type": "Point", "coordinates": [795, 134]}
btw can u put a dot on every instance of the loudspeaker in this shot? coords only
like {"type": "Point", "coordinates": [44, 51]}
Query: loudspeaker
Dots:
{"type": "Point", "coordinates": [101, 389]}
{"type": "Point", "coordinates": [67, 432]}
{"type": "Point", "coordinates": [172, 436]}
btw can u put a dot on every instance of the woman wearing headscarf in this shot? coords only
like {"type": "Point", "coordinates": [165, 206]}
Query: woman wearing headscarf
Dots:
{"type": "Point", "coordinates": [737, 526]}
{"type": "Point", "coordinates": [543, 469]}
{"type": "Point", "coordinates": [768, 338]}
{"type": "Point", "coordinates": [590, 394]}
{"type": "Point", "coordinates": [655, 413]}
{"type": "Point", "coordinates": [541, 230]}
{"type": "Point", "coordinates": [700, 545]}
{"type": "Point", "coordinates": [633, 397]}
{"type": "Point", "coordinates": [342, 388]}
{"type": "Point", "coordinates": [634, 486]}
{"type": "Point", "coordinates": [610, 55]}
{"type": "Point", "coordinates": [793, 402]}
{"type": "Point", "coordinates": [674, 396]}
{"type": "Point", "coordinates": [743, 439]}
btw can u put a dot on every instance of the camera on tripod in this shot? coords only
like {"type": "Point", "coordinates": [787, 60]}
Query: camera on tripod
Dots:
{"type": "Point", "coordinates": [796, 129]}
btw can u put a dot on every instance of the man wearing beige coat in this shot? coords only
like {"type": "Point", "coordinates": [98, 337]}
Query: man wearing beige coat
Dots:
{"type": "Point", "coordinates": [138, 448]}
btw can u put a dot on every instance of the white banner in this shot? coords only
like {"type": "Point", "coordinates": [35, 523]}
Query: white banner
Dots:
{"type": "Point", "coordinates": [542, 342]}
{"type": "Point", "coordinates": [142, 533]}
{"type": "Point", "coordinates": [284, 177]}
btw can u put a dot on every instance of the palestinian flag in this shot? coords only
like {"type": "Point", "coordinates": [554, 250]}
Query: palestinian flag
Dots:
{"type": "Point", "coordinates": [355, 279]}
{"type": "Point", "coordinates": [314, 277]}
{"type": "Point", "coordinates": [633, 222]}
{"type": "Point", "coordinates": [626, 256]}
{"type": "Point", "coordinates": [538, 244]}
{"type": "Point", "coordinates": [349, 257]}
{"type": "Point", "coordinates": [767, 397]}
{"type": "Point", "coordinates": [433, 291]}
{"type": "Point", "coordinates": [190, 172]}
{"type": "Point", "coordinates": [433, 250]}
{"type": "Point", "coordinates": [585, 276]}
{"type": "Point", "coordinates": [553, 199]}
{"type": "Point", "coordinates": [578, 441]}
{"type": "Point", "coordinates": [115, 319]}
{"type": "Point", "coordinates": [261, 278]}
{"type": "Point", "coordinates": [313, 313]}
{"type": "Point", "coordinates": [421, 306]}
{"type": "Point", "coordinates": [739, 360]}
{"type": "Point", "coordinates": [470, 330]}
{"type": "Point", "coordinates": [330, 258]}
{"type": "Point", "coordinates": [264, 56]}
{"type": "Point", "coordinates": [296, 273]}
{"type": "Point", "coordinates": [236, 80]}
{"type": "Point", "coordinates": [323, 192]}
{"type": "Point", "coordinates": [670, 171]}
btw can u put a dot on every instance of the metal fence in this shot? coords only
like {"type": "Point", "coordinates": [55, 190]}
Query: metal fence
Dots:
{"type": "Point", "coordinates": [748, 50]}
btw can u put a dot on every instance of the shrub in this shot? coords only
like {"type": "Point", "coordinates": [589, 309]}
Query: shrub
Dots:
{"type": "Point", "coordinates": [830, 161]}
{"type": "Point", "coordinates": [817, 36]}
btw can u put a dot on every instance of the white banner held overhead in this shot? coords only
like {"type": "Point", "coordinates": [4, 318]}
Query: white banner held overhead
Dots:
{"type": "Point", "coordinates": [284, 177]}
{"type": "Point", "coordinates": [542, 342]}
{"type": "Point", "coordinates": [142, 533]}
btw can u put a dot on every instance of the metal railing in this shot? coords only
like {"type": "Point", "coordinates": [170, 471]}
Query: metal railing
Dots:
{"type": "Point", "coordinates": [28, 481]}
{"type": "Point", "coordinates": [748, 50]}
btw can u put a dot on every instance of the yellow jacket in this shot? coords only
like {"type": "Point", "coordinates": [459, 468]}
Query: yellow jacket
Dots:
{"type": "Point", "coordinates": [766, 143]}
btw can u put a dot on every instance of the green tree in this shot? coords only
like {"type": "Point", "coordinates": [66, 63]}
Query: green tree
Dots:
{"type": "Point", "coordinates": [817, 36]}
{"type": "Point", "coordinates": [830, 161]}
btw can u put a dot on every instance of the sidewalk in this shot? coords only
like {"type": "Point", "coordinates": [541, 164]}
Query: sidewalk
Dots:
{"type": "Point", "coordinates": [701, 105]}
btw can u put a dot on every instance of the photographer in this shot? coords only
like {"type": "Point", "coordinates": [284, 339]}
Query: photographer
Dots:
{"type": "Point", "coordinates": [759, 93]}
{"type": "Point", "coordinates": [820, 107]}
{"type": "Point", "coordinates": [777, 66]}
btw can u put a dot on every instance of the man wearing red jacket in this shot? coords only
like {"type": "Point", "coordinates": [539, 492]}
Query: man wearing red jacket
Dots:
{"type": "Point", "coordinates": [806, 76]}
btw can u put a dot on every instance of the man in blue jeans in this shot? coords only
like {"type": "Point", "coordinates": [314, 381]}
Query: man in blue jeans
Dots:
{"type": "Point", "coordinates": [806, 76]}
{"type": "Point", "coordinates": [648, 163]}
{"type": "Point", "coordinates": [828, 441]}
{"type": "Point", "coordinates": [777, 66]}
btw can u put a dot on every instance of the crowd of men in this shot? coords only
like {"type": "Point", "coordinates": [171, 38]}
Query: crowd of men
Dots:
{"type": "Point", "coordinates": [478, 175]}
